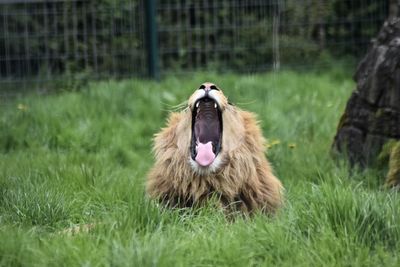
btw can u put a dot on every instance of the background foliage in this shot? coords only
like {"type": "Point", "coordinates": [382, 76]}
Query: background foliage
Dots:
{"type": "Point", "coordinates": [45, 39]}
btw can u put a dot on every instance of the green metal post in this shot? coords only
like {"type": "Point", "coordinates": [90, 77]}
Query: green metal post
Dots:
{"type": "Point", "coordinates": [152, 39]}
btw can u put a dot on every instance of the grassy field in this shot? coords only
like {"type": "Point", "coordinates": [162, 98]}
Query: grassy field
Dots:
{"type": "Point", "coordinates": [80, 158]}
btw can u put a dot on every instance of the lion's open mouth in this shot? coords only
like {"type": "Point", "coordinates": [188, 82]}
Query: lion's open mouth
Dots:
{"type": "Point", "coordinates": [206, 131]}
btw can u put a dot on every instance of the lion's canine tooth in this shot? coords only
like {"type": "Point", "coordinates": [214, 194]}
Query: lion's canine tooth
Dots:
{"type": "Point", "coordinates": [197, 105]}
{"type": "Point", "coordinates": [215, 105]}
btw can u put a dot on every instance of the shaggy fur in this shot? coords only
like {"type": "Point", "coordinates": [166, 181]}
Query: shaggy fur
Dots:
{"type": "Point", "coordinates": [240, 177]}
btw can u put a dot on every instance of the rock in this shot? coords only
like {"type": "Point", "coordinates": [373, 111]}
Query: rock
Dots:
{"type": "Point", "coordinates": [372, 115]}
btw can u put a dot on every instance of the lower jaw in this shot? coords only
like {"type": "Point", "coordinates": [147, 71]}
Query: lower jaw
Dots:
{"type": "Point", "coordinates": [204, 171]}
{"type": "Point", "coordinates": [216, 164]}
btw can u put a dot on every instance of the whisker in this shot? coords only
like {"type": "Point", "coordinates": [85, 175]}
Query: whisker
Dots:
{"type": "Point", "coordinates": [246, 103]}
{"type": "Point", "coordinates": [174, 108]}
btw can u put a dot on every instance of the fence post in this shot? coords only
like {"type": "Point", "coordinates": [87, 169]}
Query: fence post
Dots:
{"type": "Point", "coordinates": [152, 39]}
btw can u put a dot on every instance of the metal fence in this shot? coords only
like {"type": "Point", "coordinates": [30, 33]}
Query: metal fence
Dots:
{"type": "Point", "coordinates": [63, 43]}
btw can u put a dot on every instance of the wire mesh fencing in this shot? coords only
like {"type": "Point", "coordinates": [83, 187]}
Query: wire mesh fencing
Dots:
{"type": "Point", "coordinates": [258, 35]}
{"type": "Point", "coordinates": [64, 43]}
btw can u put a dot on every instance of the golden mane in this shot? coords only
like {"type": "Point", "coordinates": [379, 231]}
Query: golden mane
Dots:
{"type": "Point", "coordinates": [243, 179]}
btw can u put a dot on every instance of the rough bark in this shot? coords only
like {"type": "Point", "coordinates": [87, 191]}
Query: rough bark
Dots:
{"type": "Point", "coordinates": [372, 114]}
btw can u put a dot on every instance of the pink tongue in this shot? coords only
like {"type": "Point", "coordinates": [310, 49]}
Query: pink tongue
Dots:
{"type": "Point", "coordinates": [205, 155]}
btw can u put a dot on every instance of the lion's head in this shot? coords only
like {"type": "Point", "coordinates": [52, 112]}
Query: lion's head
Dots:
{"type": "Point", "coordinates": [213, 147]}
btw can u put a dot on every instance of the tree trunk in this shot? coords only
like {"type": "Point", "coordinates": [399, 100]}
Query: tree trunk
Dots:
{"type": "Point", "coordinates": [372, 115]}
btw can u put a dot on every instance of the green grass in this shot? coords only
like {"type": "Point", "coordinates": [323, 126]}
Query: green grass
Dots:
{"type": "Point", "coordinates": [82, 157]}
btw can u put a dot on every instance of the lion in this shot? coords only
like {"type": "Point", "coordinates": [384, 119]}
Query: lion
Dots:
{"type": "Point", "coordinates": [213, 148]}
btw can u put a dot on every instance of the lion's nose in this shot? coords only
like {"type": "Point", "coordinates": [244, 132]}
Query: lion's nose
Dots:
{"type": "Point", "coordinates": [208, 86]}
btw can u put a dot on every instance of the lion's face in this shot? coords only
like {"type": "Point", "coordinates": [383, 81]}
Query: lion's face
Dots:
{"type": "Point", "coordinates": [207, 105]}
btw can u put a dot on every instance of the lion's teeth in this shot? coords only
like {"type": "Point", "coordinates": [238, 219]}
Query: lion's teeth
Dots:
{"type": "Point", "coordinates": [215, 105]}
{"type": "Point", "coordinates": [197, 105]}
